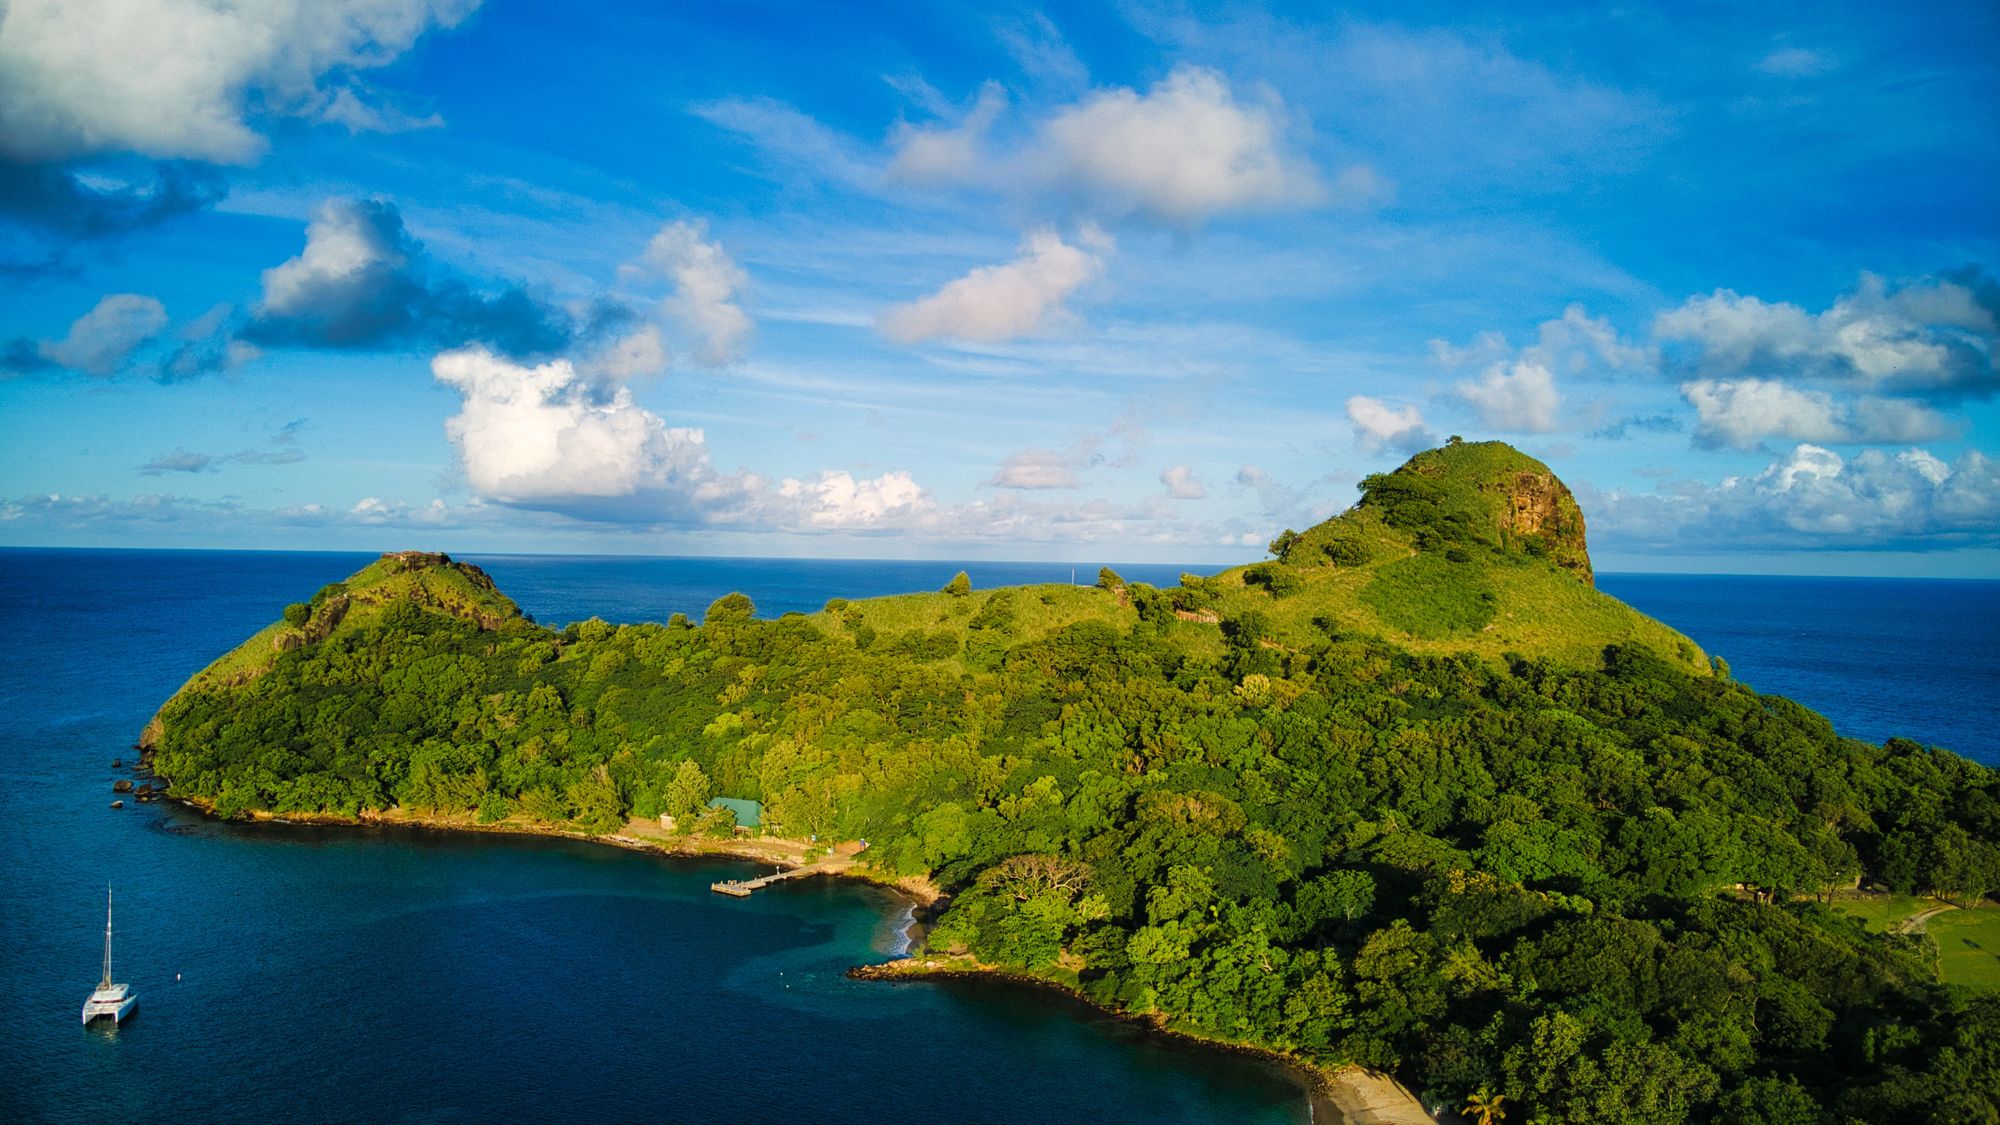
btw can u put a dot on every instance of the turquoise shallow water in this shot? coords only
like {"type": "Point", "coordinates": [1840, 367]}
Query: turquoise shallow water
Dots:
{"type": "Point", "coordinates": [333, 975]}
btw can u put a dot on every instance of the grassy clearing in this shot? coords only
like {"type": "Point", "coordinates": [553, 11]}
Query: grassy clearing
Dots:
{"type": "Point", "coordinates": [1968, 946]}
{"type": "Point", "coordinates": [1882, 913]}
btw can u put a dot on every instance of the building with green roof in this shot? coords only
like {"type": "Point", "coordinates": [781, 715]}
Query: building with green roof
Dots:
{"type": "Point", "coordinates": [749, 814]}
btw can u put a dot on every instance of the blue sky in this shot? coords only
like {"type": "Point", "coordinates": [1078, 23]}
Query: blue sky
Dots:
{"type": "Point", "coordinates": [1119, 282]}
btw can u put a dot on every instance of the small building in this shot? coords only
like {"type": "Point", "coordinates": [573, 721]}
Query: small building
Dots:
{"type": "Point", "coordinates": [749, 814]}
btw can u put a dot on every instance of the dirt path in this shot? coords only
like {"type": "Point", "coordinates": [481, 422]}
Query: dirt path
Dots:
{"type": "Point", "coordinates": [1914, 924]}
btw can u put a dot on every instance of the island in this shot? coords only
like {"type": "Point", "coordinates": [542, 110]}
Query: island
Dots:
{"type": "Point", "coordinates": [1409, 798]}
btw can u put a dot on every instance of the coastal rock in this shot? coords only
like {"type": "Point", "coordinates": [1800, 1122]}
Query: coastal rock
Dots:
{"type": "Point", "coordinates": [121, 786]}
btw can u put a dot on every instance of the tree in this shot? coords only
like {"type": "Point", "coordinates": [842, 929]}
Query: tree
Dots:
{"type": "Point", "coordinates": [297, 614]}
{"type": "Point", "coordinates": [960, 585]}
{"type": "Point", "coordinates": [729, 609]}
{"type": "Point", "coordinates": [1484, 1107]}
{"type": "Point", "coordinates": [687, 793]}
{"type": "Point", "coordinates": [1108, 579]}
{"type": "Point", "coordinates": [1282, 545]}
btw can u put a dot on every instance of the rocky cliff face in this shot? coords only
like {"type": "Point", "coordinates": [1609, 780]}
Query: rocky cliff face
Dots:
{"type": "Point", "coordinates": [1536, 508]}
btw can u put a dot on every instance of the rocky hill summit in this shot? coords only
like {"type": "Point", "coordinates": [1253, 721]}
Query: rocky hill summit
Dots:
{"type": "Point", "coordinates": [1486, 492]}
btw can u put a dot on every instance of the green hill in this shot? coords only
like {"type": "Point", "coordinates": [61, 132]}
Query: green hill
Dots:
{"type": "Point", "coordinates": [1413, 794]}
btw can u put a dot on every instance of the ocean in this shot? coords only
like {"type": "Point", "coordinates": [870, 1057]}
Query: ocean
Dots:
{"type": "Point", "coordinates": [329, 974]}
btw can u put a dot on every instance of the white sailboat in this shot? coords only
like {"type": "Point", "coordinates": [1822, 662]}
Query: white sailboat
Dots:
{"type": "Point", "coordinates": [113, 1000]}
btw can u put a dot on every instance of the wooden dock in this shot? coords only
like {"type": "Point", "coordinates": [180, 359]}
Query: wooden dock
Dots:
{"type": "Point", "coordinates": [741, 888]}
{"type": "Point", "coordinates": [841, 859]}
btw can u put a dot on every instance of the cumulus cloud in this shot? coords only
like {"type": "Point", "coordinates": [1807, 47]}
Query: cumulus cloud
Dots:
{"type": "Point", "coordinates": [180, 78]}
{"type": "Point", "coordinates": [993, 304]}
{"type": "Point", "coordinates": [1519, 397]}
{"type": "Point", "coordinates": [1813, 498]}
{"type": "Point", "coordinates": [839, 500]}
{"type": "Point", "coordinates": [1181, 152]}
{"type": "Point", "coordinates": [636, 355]}
{"type": "Point", "coordinates": [707, 287]}
{"type": "Point", "coordinates": [1377, 425]}
{"type": "Point", "coordinates": [1181, 483]}
{"type": "Point", "coordinates": [550, 437]}
{"type": "Point", "coordinates": [1741, 413]}
{"type": "Point", "coordinates": [103, 339]}
{"type": "Point", "coordinates": [1574, 344]}
{"type": "Point", "coordinates": [1936, 336]}
{"type": "Point", "coordinates": [544, 434]}
{"type": "Point", "coordinates": [1036, 468]}
{"type": "Point", "coordinates": [363, 281]}
{"type": "Point", "coordinates": [946, 153]}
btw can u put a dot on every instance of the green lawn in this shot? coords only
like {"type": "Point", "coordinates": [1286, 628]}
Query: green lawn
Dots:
{"type": "Point", "coordinates": [1881, 912]}
{"type": "Point", "coordinates": [1968, 946]}
{"type": "Point", "coordinates": [1968, 940]}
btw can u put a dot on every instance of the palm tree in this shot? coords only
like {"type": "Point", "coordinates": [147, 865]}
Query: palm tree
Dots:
{"type": "Point", "coordinates": [1484, 1107]}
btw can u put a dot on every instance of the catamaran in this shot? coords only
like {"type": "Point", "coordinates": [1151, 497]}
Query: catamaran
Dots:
{"type": "Point", "coordinates": [113, 1000]}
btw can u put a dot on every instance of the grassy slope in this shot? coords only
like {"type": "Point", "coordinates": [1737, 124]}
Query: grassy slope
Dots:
{"type": "Point", "coordinates": [1416, 598]}
{"type": "Point", "coordinates": [1492, 600]}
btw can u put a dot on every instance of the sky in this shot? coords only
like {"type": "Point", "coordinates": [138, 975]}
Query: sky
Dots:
{"type": "Point", "coordinates": [1120, 282]}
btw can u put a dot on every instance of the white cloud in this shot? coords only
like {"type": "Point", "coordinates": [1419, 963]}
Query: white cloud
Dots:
{"type": "Point", "coordinates": [543, 436]}
{"type": "Point", "coordinates": [1812, 498]}
{"type": "Point", "coordinates": [637, 355]}
{"type": "Point", "coordinates": [1377, 425]}
{"type": "Point", "coordinates": [946, 154]}
{"type": "Point", "coordinates": [707, 287]}
{"type": "Point", "coordinates": [998, 303]}
{"type": "Point", "coordinates": [1181, 152]}
{"type": "Point", "coordinates": [549, 437]}
{"type": "Point", "coordinates": [1519, 397]}
{"type": "Point", "coordinates": [1936, 335]}
{"type": "Point", "coordinates": [101, 340]}
{"type": "Point", "coordinates": [355, 254]}
{"type": "Point", "coordinates": [838, 500]}
{"type": "Point", "coordinates": [178, 78]}
{"type": "Point", "coordinates": [1036, 468]}
{"type": "Point", "coordinates": [364, 281]}
{"type": "Point", "coordinates": [1741, 413]}
{"type": "Point", "coordinates": [1573, 344]}
{"type": "Point", "coordinates": [1181, 483]}
{"type": "Point", "coordinates": [344, 108]}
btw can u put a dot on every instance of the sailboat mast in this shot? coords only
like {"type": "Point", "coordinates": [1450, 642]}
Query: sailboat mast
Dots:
{"type": "Point", "coordinates": [107, 937]}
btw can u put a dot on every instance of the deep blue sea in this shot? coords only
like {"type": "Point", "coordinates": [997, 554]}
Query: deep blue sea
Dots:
{"type": "Point", "coordinates": [332, 975]}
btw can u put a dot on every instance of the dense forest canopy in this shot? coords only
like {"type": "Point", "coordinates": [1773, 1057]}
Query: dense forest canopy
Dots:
{"type": "Point", "coordinates": [1412, 794]}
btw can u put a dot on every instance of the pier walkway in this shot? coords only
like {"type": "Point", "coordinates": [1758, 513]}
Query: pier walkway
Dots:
{"type": "Point", "coordinates": [841, 859]}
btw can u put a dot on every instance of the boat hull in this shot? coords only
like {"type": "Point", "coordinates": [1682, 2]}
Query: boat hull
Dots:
{"type": "Point", "coordinates": [114, 1010]}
